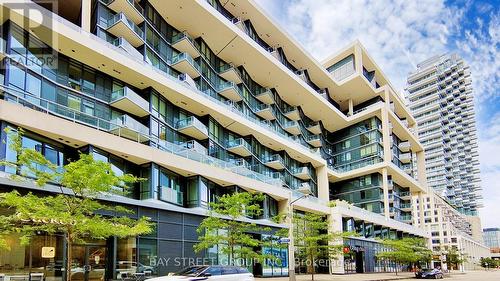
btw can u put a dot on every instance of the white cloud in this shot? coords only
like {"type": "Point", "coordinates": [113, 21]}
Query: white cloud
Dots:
{"type": "Point", "coordinates": [398, 34]}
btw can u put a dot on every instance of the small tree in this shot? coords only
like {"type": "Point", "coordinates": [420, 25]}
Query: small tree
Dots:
{"type": "Point", "coordinates": [313, 236]}
{"type": "Point", "coordinates": [454, 258]}
{"type": "Point", "coordinates": [405, 251]}
{"type": "Point", "coordinates": [224, 226]}
{"type": "Point", "coordinates": [74, 211]}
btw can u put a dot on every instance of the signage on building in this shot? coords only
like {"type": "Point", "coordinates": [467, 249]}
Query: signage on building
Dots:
{"type": "Point", "coordinates": [48, 252]}
{"type": "Point", "coordinates": [284, 240]}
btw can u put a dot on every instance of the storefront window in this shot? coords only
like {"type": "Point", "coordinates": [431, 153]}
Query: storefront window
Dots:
{"type": "Point", "coordinates": [148, 254]}
{"type": "Point", "coordinates": [45, 253]}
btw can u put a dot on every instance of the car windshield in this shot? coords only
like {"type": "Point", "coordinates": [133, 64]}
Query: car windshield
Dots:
{"type": "Point", "coordinates": [191, 271]}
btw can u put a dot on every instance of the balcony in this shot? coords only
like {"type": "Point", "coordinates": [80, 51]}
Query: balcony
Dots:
{"type": "Point", "coordinates": [305, 188]}
{"type": "Point", "coordinates": [184, 63]}
{"type": "Point", "coordinates": [314, 127]}
{"type": "Point", "coordinates": [130, 8]}
{"type": "Point", "coordinates": [405, 207]}
{"type": "Point", "coordinates": [240, 147]}
{"type": "Point", "coordinates": [265, 111]}
{"type": "Point", "coordinates": [407, 169]}
{"type": "Point", "coordinates": [405, 195]}
{"type": "Point", "coordinates": [171, 195]}
{"type": "Point", "coordinates": [302, 173]}
{"type": "Point", "coordinates": [183, 42]}
{"type": "Point", "coordinates": [292, 113]}
{"type": "Point", "coordinates": [405, 158]}
{"type": "Point", "coordinates": [230, 73]}
{"type": "Point", "coordinates": [292, 127]}
{"type": "Point", "coordinates": [405, 218]}
{"type": "Point", "coordinates": [129, 101]}
{"type": "Point", "coordinates": [404, 146]}
{"type": "Point", "coordinates": [265, 96]}
{"type": "Point", "coordinates": [314, 140]}
{"type": "Point", "coordinates": [192, 127]}
{"type": "Point", "coordinates": [120, 26]}
{"type": "Point", "coordinates": [123, 44]}
{"type": "Point", "coordinates": [275, 161]}
{"type": "Point", "coordinates": [230, 91]}
{"type": "Point", "coordinates": [127, 127]}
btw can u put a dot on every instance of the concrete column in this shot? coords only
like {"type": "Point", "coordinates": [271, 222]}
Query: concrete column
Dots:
{"type": "Point", "coordinates": [386, 136]}
{"type": "Point", "coordinates": [385, 187]}
{"type": "Point", "coordinates": [358, 59]}
{"type": "Point", "coordinates": [421, 205]}
{"type": "Point", "coordinates": [335, 220]}
{"type": "Point", "coordinates": [323, 183]}
{"type": "Point", "coordinates": [86, 14]}
{"type": "Point", "coordinates": [421, 173]}
{"type": "Point", "coordinates": [351, 107]}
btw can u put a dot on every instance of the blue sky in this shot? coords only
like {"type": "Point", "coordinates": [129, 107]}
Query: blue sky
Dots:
{"type": "Point", "coordinates": [399, 34]}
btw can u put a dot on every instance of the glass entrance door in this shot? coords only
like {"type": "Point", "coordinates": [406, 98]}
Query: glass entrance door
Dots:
{"type": "Point", "coordinates": [89, 263]}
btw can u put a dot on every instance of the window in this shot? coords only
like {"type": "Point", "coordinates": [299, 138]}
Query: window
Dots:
{"type": "Point", "coordinates": [16, 76]}
{"type": "Point", "coordinates": [75, 75]}
{"type": "Point", "coordinates": [88, 107]}
{"type": "Point", "coordinates": [74, 102]}
{"type": "Point", "coordinates": [33, 85]}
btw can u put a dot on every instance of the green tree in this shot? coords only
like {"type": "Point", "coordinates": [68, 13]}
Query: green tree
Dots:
{"type": "Point", "coordinates": [454, 258]}
{"type": "Point", "coordinates": [314, 239]}
{"type": "Point", "coordinates": [488, 263]}
{"type": "Point", "coordinates": [226, 228]}
{"type": "Point", "coordinates": [75, 210]}
{"type": "Point", "coordinates": [405, 251]}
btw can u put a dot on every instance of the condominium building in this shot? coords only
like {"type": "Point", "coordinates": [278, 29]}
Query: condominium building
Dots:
{"type": "Point", "coordinates": [203, 99]}
{"type": "Point", "coordinates": [450, 229]}
{"type": "Point", "coordinates": [491, 238]}
{"type": "Point", "coordinates": [440, 96]}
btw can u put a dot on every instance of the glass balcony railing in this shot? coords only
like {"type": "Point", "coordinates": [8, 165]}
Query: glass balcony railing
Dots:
{"type": "Point", "coordinates": [314, 140]}
{"type": "Point", "coordinates": [132, 9]}
{"type": "Point", "coordinates": [264, 125]}
{"type": "Point", "coordinates": [122, 43]}
{"type": "Point", "coordinates": [302, 173]}
{"type": "Point", "coordinates": [128, 127]}
{"type": "Point", "coordinates": [346, 167]}
{"type": "Point", "coordinates": [129, 101]}
{"type": "Point", "coordinates": [405, 206]}
{"type": "Point", "coordinates": [292, 127]}
{"type": "Point", "coordinates": [171, 195]}
{"type": "Point", "coordinates": [183, 42]}
{"type": "Point", "coordinates": [193, 127]}
{"type": "Point", "coordinates": [120, 26]}
{"type": "Point", "coordinates": [275, 161]}
{"type": "Point", "coordinates": [117, 127]}
{"type": "Point", "coordinates": [240, 147]}
{"type": "Point", "coordinates": [405, 194]}
{"type": "Point", "coordinates": [184, 63]}
{"type": "Point", "coordinates": [230, 73]}
{"type": "Point", "coordinates": [230, 91]}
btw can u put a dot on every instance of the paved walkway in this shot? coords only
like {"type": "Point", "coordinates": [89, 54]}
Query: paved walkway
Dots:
{"type": "Point", "coordinates": [349, 277]}
{"type": "Point", "coordinates": [490, 275]}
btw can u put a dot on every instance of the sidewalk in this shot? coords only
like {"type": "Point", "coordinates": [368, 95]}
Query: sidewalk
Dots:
{"type": "Point", "coordinates": [347, 277]}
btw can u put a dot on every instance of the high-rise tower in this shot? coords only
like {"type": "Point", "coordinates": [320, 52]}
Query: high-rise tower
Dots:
{"type": "Point", "coordinates": [439, 94]}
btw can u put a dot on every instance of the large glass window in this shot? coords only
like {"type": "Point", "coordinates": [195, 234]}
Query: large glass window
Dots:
{"type": "Point", "coordinates": [16, 76]}
{"type": "Point", "coordinates": [148, 254]}
{"type": "Point", "coordinates": [22, 260]}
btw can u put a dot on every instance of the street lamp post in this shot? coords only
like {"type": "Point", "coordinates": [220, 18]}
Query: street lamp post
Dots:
{"type": "Point", "coordinates": [291, 244]}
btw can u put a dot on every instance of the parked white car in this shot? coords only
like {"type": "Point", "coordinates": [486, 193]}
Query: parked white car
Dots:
{"type": "Point", "coordinates": [211, 273]}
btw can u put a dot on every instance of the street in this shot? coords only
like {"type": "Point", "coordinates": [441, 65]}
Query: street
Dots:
{"type": "Point", "coordinates": [491, 275]}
